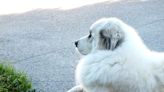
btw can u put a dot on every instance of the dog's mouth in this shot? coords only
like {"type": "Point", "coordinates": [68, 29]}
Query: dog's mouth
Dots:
{"type": "Point", "coordinates": [81, 52]}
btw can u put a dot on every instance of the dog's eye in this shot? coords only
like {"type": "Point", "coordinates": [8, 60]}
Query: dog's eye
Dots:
{"type": "Point", "coordinates": [90, 35]}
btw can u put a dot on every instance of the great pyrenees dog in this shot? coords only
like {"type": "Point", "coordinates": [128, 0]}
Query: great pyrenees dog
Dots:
{"type": "Point", "coordinates": [116, 60]}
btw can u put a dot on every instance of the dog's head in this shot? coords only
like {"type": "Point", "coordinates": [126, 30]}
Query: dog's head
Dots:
{"type": "Point", "coordinates": [104, 34]}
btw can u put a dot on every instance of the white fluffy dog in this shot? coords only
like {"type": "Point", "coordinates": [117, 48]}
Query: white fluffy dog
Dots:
{"type": "Point", "coordinates": [116, 60]}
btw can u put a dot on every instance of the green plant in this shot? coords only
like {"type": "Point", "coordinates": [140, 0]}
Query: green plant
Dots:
{"type": "Point", "coordinates": [13, 81]}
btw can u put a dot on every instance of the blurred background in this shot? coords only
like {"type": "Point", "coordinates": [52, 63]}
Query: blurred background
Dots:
{"type": "Point", "coordinates": [20, 6]}
{"type": "Point", "coordinates": [37, 36]}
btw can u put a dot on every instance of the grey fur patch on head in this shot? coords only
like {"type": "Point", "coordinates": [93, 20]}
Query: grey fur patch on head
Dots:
{"type": "Point", "coordinates": [111, 38]}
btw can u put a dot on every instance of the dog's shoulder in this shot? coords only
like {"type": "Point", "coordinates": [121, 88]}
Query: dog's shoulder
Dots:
{"type": "Point", "coordinates": [93, 66]}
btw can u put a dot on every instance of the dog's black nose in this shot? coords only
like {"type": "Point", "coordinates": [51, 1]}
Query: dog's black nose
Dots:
{"type": "Point", "coordinates": [76, 43]}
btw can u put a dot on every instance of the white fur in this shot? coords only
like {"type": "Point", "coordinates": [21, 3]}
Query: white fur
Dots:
{"type": "Point", "coordinates": [131, 67]}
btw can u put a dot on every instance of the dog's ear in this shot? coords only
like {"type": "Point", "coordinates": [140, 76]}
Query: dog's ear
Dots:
{"type": "Point", "coordinates": [111, 38]}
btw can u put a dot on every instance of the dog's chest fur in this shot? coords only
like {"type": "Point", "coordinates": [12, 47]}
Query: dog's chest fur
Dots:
{"type": "Point", "coordinates": [102, 72]}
